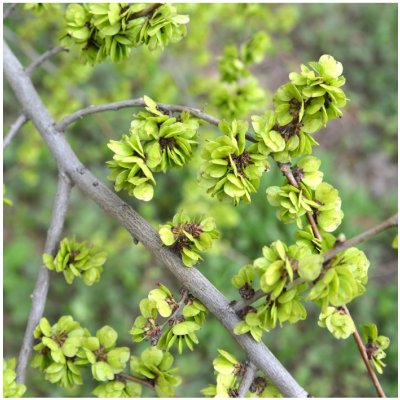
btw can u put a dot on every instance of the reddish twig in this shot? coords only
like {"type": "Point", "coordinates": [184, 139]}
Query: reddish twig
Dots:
{"type": "Point", "coordinates": [285, 168]}
{"type": "Point", "coordinates": [131, 378]}
{"type": "Point", "coordinates": [145, 12]}
{"type": "Point", "coordinates": [362, 237]}
{"type": "Point", "coordinates": [363, 352]}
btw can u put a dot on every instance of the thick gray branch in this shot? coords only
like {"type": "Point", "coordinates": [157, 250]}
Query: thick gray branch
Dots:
{"type": "Point", "coordinates": [39, 294]}
{"type": "Point", "coordinates": [140, 229]}
{"type": "Point", "coordinates": [14, 128]}
{"type": "Point", "coordinates": [247, 379]}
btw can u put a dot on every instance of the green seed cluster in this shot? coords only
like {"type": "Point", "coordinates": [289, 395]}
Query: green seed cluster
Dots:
{"type": "Point", "coordinates": [76, 259]}
{"type": "Point", "coordinates": [105, 358]}
{"type": "Point", "coordinates": [166, 322]}
{"type": "Point", "coordinates": [156, 142]}
{"type": "Point", "coordinates": [293, 203]}
{"type": "Point", "coordinates": [118, 389]}
{"type": "Point", "coordinates": [238, 91]}
{"type": "Point", "coordinates": [291, 275]}
{"type": "Point", "coordinates": [59, 353]}
{"type": "Point", "coordinates": [110, 30]}
{"type": "Point", "coordinates": [337, 322]}
{"type": "Point", "coordinates": [231, 170]}
{"type": "Point", "coordinates": [306, 237]}
{"type": "Point", "coordinates": [375, 346]}
{"type": "Point", "coordinates": [64, 349]}
{"type": "Point", "coordinates": [154, 364]}
{"type": "Point", "coordinates": [343, 280]}
{"type": "Point", "coordinates": [167, 141]}
{"type": "Point", "coordinates": [229, 371]}
{"type": "Point", "coordinates": [10, 387]}
{"type": "Point", "coordinates": [302, 106]}
{"type": "Point", "coordinates": [188, 236]}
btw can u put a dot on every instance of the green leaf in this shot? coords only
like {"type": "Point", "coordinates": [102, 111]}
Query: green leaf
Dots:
{"type": "Point", "coordinates": [107, 336]}
{"type": "Point", "coordinates": [144, 192]}
{"type": "Point", "coordinates": [184, 328]}
{"type": "Point", "coordinates": [166, 235]}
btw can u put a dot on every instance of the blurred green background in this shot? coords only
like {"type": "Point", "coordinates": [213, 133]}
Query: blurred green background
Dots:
{"type": "Point", "coordinates": [359, 154]}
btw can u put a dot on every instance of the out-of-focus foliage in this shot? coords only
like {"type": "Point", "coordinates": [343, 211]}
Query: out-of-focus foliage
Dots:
{"type": "Point", "coordinates": [185, 73]}
{"type": "Point", "coordinates": [10, 387]}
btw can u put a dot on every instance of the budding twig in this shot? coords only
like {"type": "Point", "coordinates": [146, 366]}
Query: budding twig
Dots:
{"type": "Point", "coordinates": [247, 379]}
{"type": "Point", "coordinates": [43, 58]}
{"type": "Point", "coordinates": [14, 128]}
{"type": "Point", "coordinates": [39, 294]}
{"type": "Point", "coordinates": [364, 356]}
{"type": "Point", "coordinates": [181, 303]}
{"type": "Point", "coordinates": [131, 378]}
{"type": "Point", "coordinates": [391, 222]}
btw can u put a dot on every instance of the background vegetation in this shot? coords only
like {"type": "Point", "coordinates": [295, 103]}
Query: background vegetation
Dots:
{"type": "Point", "coordinates": [359, 155]}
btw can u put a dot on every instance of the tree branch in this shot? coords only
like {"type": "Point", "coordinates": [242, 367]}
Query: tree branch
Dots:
{"type": "Point", "coordinates": [191, 278]}
{"type": "Point", "coordinates": [43, 58]}
{"type": "Point", "coordinates": [14, 128]}
{"type": "Point", "coordinates": [285, 168]}
{"type": "Point", "coordinates": [68, 120]}
{"type": "Point", "coordinates": [131, 378]}
{"type": "Point", "coordinates": [181, 303]}
{"type": "Point", "coordinates": [9, 10]}
{"type": "Point", "coordinates": [247, 379]}
{"type": "Point", "coordinates": [362, 237]}
{"type": "Point", "coordinates": [239, 305]}
{"type": "Point", "coordinates": [364, 356]}
{"type": "Point", "coordinates": [39, 294]}
{"type": "Point", "coordinates": [145, 12]}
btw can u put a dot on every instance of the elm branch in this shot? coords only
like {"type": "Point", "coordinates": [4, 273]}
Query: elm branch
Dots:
{"type": "Point", "coordinates": [39, 294]}
{"type": "Point", "coordinates": [139, 228]}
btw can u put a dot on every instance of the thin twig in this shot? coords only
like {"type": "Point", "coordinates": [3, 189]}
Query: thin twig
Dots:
{"type": "Point", "coordinates": [131, 378]}
{"type": "Point", "coordinates": [9, 10]}
{"type": "Point", "coordinates": [239, 305]}
{"type": "Point", "coordinates": [364, 356]}
{"type": "Point", "coordinates": [285, 168]}
{"type": "Point", "coordinates": [247, 379]}
{"type": "Point", "coordinates": [259, 294]}
{"type": "Point", "coordinates": [14, 128]}
{"type": "Point", "coordinates": [68, 120]}
{"type": "Point", "coordinates": [145, 12]}
{"type": "Point", "coordinates": [138, 227]}
{"type": "Point", "coordinates": [181, 303]}
{"type": "Point", "coordinates": [362, 237]}
{"type": "Point", "coordinates": [43, 58]}
{"type": "Point", "coordinates": [39, 294]}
